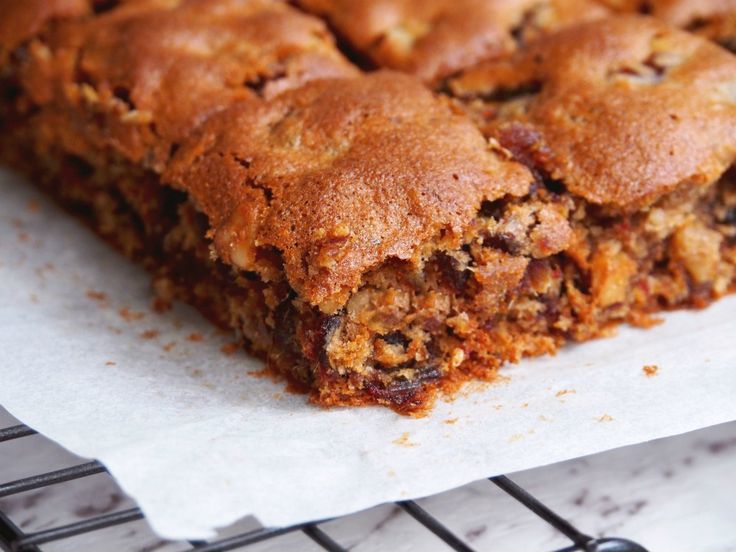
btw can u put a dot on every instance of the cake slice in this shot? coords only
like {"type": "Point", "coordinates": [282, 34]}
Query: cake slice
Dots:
{"type": "Point", "coordinates": [138, 78]}
{"type": "Point", "coordinates": [632, 122]}
{"type": "Point", "coordinates": [433, 39]}
{"type": "Point", "coordinates": [115, 89]}
{"type": "Point", "coordinates": [349, 205]}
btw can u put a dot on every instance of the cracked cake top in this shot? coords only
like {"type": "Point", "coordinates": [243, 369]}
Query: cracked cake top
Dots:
{"type": "Point", "coordinates": [621, 110]}
{"type": "Point", "coordinates": [339, 176]}
{"type": "Point", "coordinates": [155, 69]}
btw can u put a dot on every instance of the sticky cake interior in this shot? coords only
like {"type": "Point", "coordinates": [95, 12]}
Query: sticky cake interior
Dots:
{"type": "Point", "coordinates": [372, 240]}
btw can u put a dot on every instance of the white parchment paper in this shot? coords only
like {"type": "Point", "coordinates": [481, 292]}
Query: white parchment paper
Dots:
{"type": "Point", "coordinates": [200, 440]}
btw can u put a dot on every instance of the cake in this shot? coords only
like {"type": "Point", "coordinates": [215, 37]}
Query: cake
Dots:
{"type": "Point", "coordinates": [379, 224]}
{"type": "Point", "coordinates": [433, 39]}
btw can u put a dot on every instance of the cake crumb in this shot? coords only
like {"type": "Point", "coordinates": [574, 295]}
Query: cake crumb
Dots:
{"type": "Point", "coordinates": [563, 392]}
{"type": "Point", "coordinates": [34, 299]}
{"type": "Point", "coordinates": [403, 441]}
{"type": "Point", "coordinates": [98, 296]}
{"type": "Point", "coordinates": [515, 437]}
{"type": "Point", "coordinates": [195, 337]}
{"type": "Point", "coordinates": [230, 348]}
{"type": "Point", "coordinates": [149, 334]}
{"type": "Point", "coordinates": [130, 315]}
{"type": "Point", "coordinates": [168, 346]}
{"type": "Point", "coordinates": [264, 372]}
{"type": "Point", "coordinates": [606, 418]}
{"type": "Point", "coordinates": [111, 363]}
{"type": "Point", "coordinates": [450, 421]}
{"type": "Point", "coordinates": [650, 370]}
{"type": "Point", "coordinates": [160, 305]}
{"type": "Point", "coordinates": [42, 270]}
{"type": "Point", "coordinates": [33, 206]}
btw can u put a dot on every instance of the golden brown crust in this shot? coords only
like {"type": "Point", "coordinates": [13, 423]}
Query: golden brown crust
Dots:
{"type": "Point", "coordinates": [622, 110]}
{"type": "Point", "coordinates": [435, 38]}
{"type": "Point", "coordinates": [152, 70]}
{"type": "Point", "coordinates": [340, 176]}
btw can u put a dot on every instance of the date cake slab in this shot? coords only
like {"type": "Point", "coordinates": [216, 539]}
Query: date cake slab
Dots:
{"type": "Point", "coordinates": [373, 239]}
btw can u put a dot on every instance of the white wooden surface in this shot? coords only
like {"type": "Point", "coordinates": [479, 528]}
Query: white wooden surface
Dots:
{"type": "Point", "coordinates": [676, 494]}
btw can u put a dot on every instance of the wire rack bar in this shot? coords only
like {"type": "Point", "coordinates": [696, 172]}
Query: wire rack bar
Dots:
{"type": "Point", "coordinates": [322, 538]}
{"type": "Point", "coordinates": [50, 478]}
{"type": "Point", "coordinates": [15, 432]}
{"type": "Point", "coordinates": [581, 540]}
{"type": "Point", "coordinates": [74, 529]}
{"type": "Point", "coordinates": [434, 525]}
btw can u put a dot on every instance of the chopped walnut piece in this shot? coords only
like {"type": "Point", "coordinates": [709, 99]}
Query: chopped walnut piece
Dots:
{"type": "Point", "coordinates": [698, 248]}
{"type": "Point", "coordinates": [612, 270]}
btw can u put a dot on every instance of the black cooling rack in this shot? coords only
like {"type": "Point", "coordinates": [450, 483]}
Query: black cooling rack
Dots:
{"type": "Point", "coordinates": [13, 539]}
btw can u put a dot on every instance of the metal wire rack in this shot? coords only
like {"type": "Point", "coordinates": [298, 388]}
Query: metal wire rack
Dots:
{"type": "Point", "coordinates": [13, 539]}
